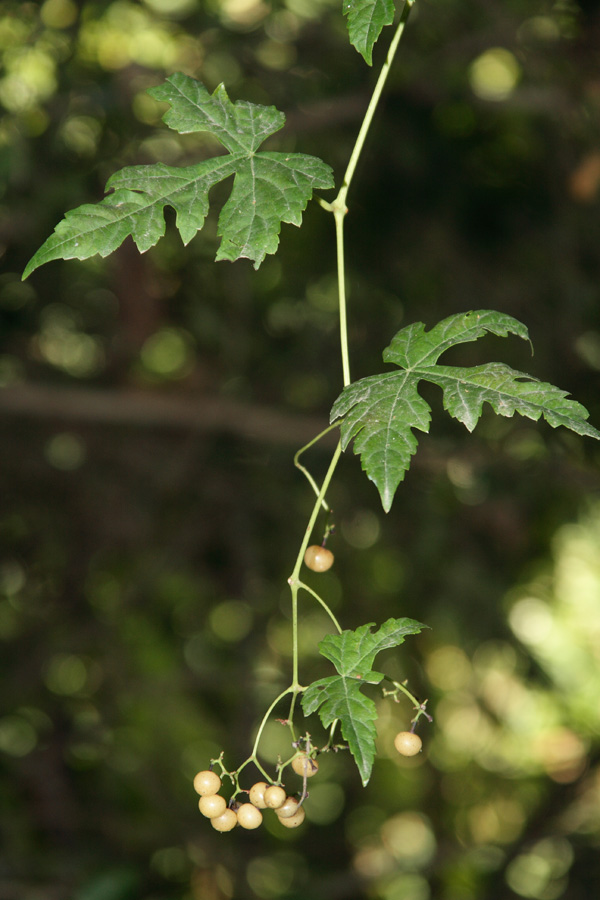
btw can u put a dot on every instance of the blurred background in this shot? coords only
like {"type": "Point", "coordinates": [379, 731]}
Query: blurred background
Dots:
{"type": "Point", "coordinates": [150, 409]}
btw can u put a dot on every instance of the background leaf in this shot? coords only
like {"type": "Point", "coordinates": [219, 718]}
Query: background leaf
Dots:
{"type": "Point", "coordinates": [340, 697]}
{"type": "Point", "coordinates": [380, 411]}
{"type": "Point", "coordinates": [269, 188]}
{"type": "Point", "coordinates": [366, 18]}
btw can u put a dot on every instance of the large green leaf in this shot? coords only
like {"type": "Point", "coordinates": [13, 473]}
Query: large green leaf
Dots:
{"type": "Point", "coordinates": [380, 411]}
{"type": "Point", "coordinates": [269, 187]}
{"type": "Point", "coordinates": [340, 697]}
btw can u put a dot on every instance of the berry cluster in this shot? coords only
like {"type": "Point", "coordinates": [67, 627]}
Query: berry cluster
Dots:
{"type": "Point", "coordinates": [224, 817]}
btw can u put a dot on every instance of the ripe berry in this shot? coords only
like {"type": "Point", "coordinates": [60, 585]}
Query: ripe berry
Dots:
{"type": "Point", "coordinates": [288, 809]}
{"type": "Point", "coordinates": [206, 783]}
{"type": "Point", "coordinates": [212, 805]}
{"type": "Point", "coordinates": [249, 816]}
{"type": "Point", "coordinates": [319, 559]}
{"type": "Point", "coordinates": [274, 796]}
{"type": "Point", "coordinates": [295, 820]}
{"type": "Point", "coordinates": [225, 822]}
{"type": "Point", "coordinates": [407, 743]}
{"type": "Point", "coordinates": [256, 794]}
{"type": "Point", "coordinates": [305, 765]}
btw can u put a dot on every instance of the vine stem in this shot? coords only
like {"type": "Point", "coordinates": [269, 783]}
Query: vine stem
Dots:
{"type": "Point", "coordinates": [305, 471]}
{"type": "Point", "coordinates": [339, 209]}
{"type": "Point", "coordinates": [338, 206]}
{"type": "Point", "coordinates": [295, 583]}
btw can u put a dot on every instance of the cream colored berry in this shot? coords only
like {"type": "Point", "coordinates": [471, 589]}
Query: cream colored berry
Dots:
{"type": "Point", "coordinates": [319, 559]}
{"type": "Point", "coordinates": [225, 822]}
{"type": "Point", "coordinates": [305, 765]}
{"type": "Point", "coordinates": [256, 794]}
{"type": "Point", "coordinates": [295, 820]}
{"type": "Point", "coordinates": [274, 796]}
{"type": "Point", "coordinates": [407, 743]}
{"type": "Point", "coordinates": [249, 816]}
{"type": "Point", "coordinates": [288, 808]}
{"type": "Point", "coordinates": [207, 782]}
{"type": "Point", "coordinates": [212, 805]}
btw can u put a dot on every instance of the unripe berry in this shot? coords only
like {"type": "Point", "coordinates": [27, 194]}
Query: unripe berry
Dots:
{"type": "Point", "coordinates": [295, 820]}
{"type": "Point", "coordinates": [212, 805]}
{"type": "Point", "coordinates": [407, 743]}
{"type": "Point", "coordinates": [305, 765]}
{"type": "Point", "coordinates": [225, 822]}
{"type": "Point", "coordinates": [274, 796]}
{"type": "Point", "coordinates": [206, 783]}
{"type": "Point", "coordinates": [256, 794]}
{"type": "Point", "coordinates": [249, 816]}
{"type": "Point", "coordinates": [319, 559]}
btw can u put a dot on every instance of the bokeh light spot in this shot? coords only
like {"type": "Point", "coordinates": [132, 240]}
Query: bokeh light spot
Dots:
{"type": "Point", "coordinates": [495, 74]}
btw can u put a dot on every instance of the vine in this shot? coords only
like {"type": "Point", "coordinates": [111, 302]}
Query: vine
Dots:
{"type": "Point", "coordinates": [377, 413]}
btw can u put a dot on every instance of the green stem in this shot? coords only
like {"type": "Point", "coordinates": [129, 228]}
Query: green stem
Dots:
{"type": "Point", "coordinates": [299, 465]}
{"type": "Point", "coordinates": [366, 124]}
{"type": "Point", "coordinates": [294, 579]}
{"type": "Point", "coordinates": [252, 757]}
{"type": "Point", "coordinates": [325, 606]}
{"type": "Point", "coordinates": [338, 206]}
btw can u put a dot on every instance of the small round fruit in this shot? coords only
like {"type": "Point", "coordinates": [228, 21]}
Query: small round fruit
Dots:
{"type": "Point", "coordinates": [305, 765]}
{"type": "Point", "coordinates": [206, 783]}
{"type": "Point", "coordinates": [319, 559]}
{"type": "Point", "coordinates": [225, 822]}
{"type": "Point", "coordinates": [288, 809]}
{"type": "Point", "coordinates": [407, 743]}
{"type": "Point", "coordinates": [295, 820]}
{"type": "Point", "coordinates": [249, 816]}
{"type": "Point", "coordinates": [212, 805]}
{"type": "Point", "coordinates": [256, 794]}
{"type": "Point", "coordinates": [274, 796]}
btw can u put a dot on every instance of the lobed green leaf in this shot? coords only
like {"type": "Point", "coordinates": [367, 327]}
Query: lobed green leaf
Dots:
{"type": "Point", "coordinates": [269, 187]}
{"type": "Point", "coordinates": [340, 697]}
{"type": "Point", "coordinates": [380, 412]}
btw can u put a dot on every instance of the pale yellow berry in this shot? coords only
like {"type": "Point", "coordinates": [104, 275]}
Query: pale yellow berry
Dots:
{"type": "Point", "coordinates": [274, 796]}
{"type": "Point", "coordinates": [256, 794]}
{"type": "Point", "coordinates": [305, 765]}
{"type": "Point", "coordinates": [288, 808]}
{"type": "Point", "coordinates": [212, 805]}
{"type": "Point", "coordinates": [207, 782]}
{"type": "Point", "coordinates": [407, 743]}
{"type": "Point", "coordinates": [249, 816]}
{"type": "Point", "coordinates": [295, 820]}
{"type": "Point", "coordinates": [319, 559]}
{"type": "Point", "coordinates": [225, 822]}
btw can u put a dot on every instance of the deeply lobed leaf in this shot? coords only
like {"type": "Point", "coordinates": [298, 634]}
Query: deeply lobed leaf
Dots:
{"type": "Point", "coordinates": [269, 188]}
{"type": "Point", "coordinates": [340, 697]}
{"type": "Point", "coordinates": [379, 412]}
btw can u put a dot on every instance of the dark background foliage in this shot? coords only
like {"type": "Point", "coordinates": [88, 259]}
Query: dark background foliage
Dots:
{"type": "Point", "coordinates": [151, 406]}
